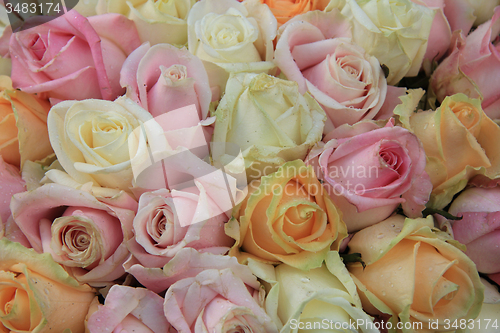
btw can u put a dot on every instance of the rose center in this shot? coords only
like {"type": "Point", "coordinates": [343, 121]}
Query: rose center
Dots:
{"type": "Point", "coordinates": [38, 47]}
{"type": "Point", "coordinates": [466, 113]}
{"type": "Point", "coordinates": [351, 71]}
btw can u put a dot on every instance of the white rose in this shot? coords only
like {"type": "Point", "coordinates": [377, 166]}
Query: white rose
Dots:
{"type": "Point", "coordinates": [235, 36]}
{"type": "Point", "coordinates": [394, 31]}
{"type": "Point", "coordinates": [90, 139]}
{"type": "Point", "coordinates": [319, 300]}
{"type": "Point", "coordinates": [157, 21]}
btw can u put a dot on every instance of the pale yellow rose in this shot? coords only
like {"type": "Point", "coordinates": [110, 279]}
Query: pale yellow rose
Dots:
{"type": "Point", "coordinates": [237, 37]}
{"type": "Point", "coordinates": [269, 120]}
{"type": "Point", "coordinates": [157, 21]}
{"type": "Point", "coordinates": [323, 299]}
{"type": "Point", "coordinates": [394, 31]}
{"type": "Point", "coordinates": [37, 295]}
{"type": "Point", "coordinates": [459, 139]}
{"type": "Point", "coordinates": [23, 125]}
{"type": "Point", "coordinates": [90, 139]}
{"type": "Point", "coordinates": [416, 274]}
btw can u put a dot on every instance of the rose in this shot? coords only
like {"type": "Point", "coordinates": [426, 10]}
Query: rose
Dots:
{"type": "Point", "coordinates": [90, 139]}
{"type": "Point", "coordinates": [463, 14]}
{"type": "Point", "coordinates": [287, 217]}
{"type": "Point", "coordinates": [326, 296]}
{"type": "Point", "coordinates": [166, 223]}
{"type": "Point", "coordinates": [37, 295]}
{"type": "Point", "coordinates": [470, 67]}
{"type": "Point", "coordinates": [460, 141]}
{"type": "Point", "coordinates": [163, 78]}
{"type": "Point", "coordinates": [368, 171]}
{"type": "Point", "coordinates": [130, 310]}
{"type": "Point", "coordinates": [23, 124]}
{"type": "Point", "coordinates": [82, 232]}
{"type": "Point", "coordinates": [440, 35]}
{"type": "Point", "coordinates": [269, 120]}
{"type": "Point", "coordinates": [479, 228]}
{"type": "Point", "coordinates": [347, 82]}
{"type": "Point", "coordinates": [284, 10]}
{"type": "Point", "coordinates": [415, 273]}
{"type": "Point", "coordinates": [10, 184]}
{"type": "Point", "coordinates": [237, 37]}
{"type": "Point", "coordinates": [395, 32]}
{"type": "Point", "coordinates": [72, 57]}
{"type": "Point", "coordinates": [225, 298]}
{"type": "Point", "coordinates": [156, 21]}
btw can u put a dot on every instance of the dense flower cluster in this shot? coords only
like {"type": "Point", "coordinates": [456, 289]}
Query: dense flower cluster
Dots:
{"type": "Point", "coordinates": [257, 166]}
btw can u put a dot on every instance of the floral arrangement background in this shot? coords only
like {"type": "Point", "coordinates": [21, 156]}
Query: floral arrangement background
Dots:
{"type": "Point", "coordinates": [254, 166]}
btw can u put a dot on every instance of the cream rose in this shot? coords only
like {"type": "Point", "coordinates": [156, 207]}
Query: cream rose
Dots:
{"type": "Point", "coordinates": [90, 139]}
{"type": "Point", "coordinates": [38, 295]}
{"type": "Point", "coordinates": [394, 31]}
{"type": "Point", "coordinates": [157, 21]}
{"type": "Point", "coordinates": [235, 36]}
{"type": "Point", "coordinates": [306, 299]}
{"type": "Point", "coordinates": [269, 120]}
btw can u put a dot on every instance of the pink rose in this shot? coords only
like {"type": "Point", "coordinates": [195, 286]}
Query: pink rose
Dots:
{"type": "Point", "coordinates": [479, 228]}
{"type": "Point", "coordinates": [10, 184]}
{"type": "Point", "coordinates": [473, 67]}
{"type": "Point", "coordinates": [463, 14]}
{"type": "Point", "coordinates": [368, 171]}
{"type": "Point", "coordinates": [168, 221]}
{"type": "Point", "coordinates": [162, 78]}
{"type": "Point", "coordinates": [80, 231]}
{"type": "Point", "coordinates": [225, 298]}
{"type": "Point", "coordinates": [72, 57]}
{"type": "Point", "coordinates": [440, 36]}
{"type": "Point", "coordinates": [129, 309]}
{"type": "Point", "coordinates": [340, 75]}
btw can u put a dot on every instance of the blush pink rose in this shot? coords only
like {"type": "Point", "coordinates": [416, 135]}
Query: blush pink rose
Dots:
{"type": "Point", "coordinates": [479, 228]}
{"type": "Point", "coordinates": [128, 309]}
{"type": "Point", "coordinates": [168, 221]}
{"type": "Point", "coordinates": [10, 184]}
{"type": "Point", "coordinates": [473, 67]}
{"type": "Point", "coordinates": [73, 57]}
{"type": "Point", "coordinates": [348, 83]}
{"type": "Point", "coordinates": [80, 231]}
{"type": "Point", "coordinates": [440, 36]}
{"type": "Point", "coordinates": [218, 300]}
{"type": "Point", "coordinates": [162, 78]}
{"type": "Point", "coordinates": [368, 171]}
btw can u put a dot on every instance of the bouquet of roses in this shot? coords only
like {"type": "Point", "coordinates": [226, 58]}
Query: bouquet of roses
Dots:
{"type": "Point", "coordinates": [250, 166]}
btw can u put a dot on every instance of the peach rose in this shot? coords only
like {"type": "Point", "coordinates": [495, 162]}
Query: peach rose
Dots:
{"type": "Point", "coordinates": [415, 274]}
{"type": "Point", "coordinates": [37, 294]}
{"type": "Point", "coordinates": [23, 124]}
{"type": "Point", "coordinates": [459, 140]}
{"type": "Point", "coordinates": [284, 10]}
{"type": "Point", "coordinates": [287, 217]}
